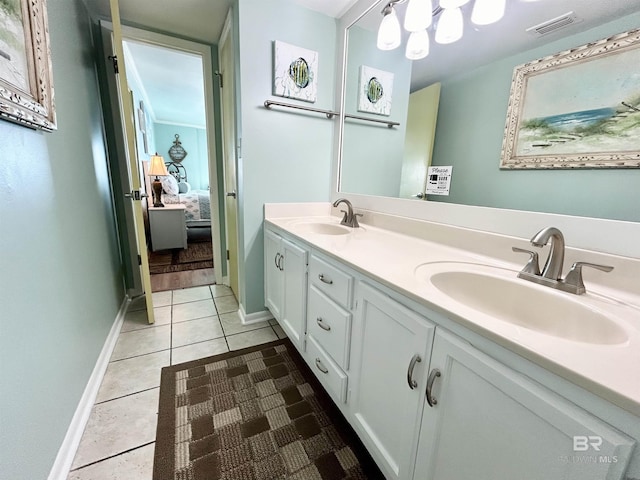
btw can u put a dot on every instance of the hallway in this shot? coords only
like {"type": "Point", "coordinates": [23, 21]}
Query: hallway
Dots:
{"type": "Point", "coordinates": [191, 323]}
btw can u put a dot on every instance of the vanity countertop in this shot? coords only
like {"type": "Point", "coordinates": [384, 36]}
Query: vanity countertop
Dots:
{"type": "Point", "coordinates": [609, 371]}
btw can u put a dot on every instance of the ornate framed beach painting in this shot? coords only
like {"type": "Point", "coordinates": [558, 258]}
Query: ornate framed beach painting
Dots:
{"type": "Point", "coordinates": [295, 72]}
{"type": "Point", "coordinates": [26, 84]}
{"type": "Point", "coordinates": [577, 109]}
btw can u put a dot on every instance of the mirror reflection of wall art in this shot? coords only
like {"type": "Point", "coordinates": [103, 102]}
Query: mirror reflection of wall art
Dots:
{"type": "Point", "coordinates": [374, 91]}
{"type": "Point", "coordinates": [577, 109]}
{"type": "Point", "coordinates": [295, 72]}
{"type": "Point", "coordinates": [26, 84]}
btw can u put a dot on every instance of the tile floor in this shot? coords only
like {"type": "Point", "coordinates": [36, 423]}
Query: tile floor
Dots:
{"type": "Point", "coordinates": [191, 323]}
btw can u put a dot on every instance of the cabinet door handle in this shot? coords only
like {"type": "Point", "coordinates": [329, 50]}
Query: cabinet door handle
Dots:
{"type": "Point", "coordinates": [324, 280]}
{"type": "Point", "coordinates": [277, 260]}
{"type": "Point", "coordinates": [281, 263]}
{"type": "Point", "coordinates": [322, 325]}
{"type": "Point", "coordinates": [412, 364]}
{"type": "Point", "coordinates": [321, 367]}
{"type": "Point", "coordinates": [431, 400]}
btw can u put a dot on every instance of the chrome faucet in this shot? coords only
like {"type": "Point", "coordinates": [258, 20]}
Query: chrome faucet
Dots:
{"type": "Point", "coordinates": [553, 266]}
{"type": "Point", "coordinates": [551, 275]}
{"type": "Point", "coordinates": [349, 219]}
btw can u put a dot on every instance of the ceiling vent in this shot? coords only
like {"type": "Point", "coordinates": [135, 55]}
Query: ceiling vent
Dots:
{"type": "Point", "coordinates": [554, 24]}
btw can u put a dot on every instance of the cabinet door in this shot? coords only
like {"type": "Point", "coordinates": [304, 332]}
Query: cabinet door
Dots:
{"type": "Point", "coordinates": [294, 309]}
{"type": "Point", "coordinates": [492, 422]}
{"type": "Point", "coordinates": [273, 276]}
{"type": "Point", "coordinates": [387, 341]}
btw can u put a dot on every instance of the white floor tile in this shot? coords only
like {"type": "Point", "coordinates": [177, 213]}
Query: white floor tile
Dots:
{"type": "Point", "coordinates": [134, 465]}
{"type": "Point", "coordinates": [132, 375]}
{"type": "Point", "coordinates": [138, 320]}
{"type": "Point", "coordinates": [231, 324]}
{"type": "Point", "coordinates": [249, 339]}
{"type": "Point", "coordinates": [198, 350]}
{"type": "Point", "coordinates": [193, 331]}
{"type": "Point", "coordinates": [139, 303]}
{"type": "Point", "coordinates": [141, 342]}
{"type": "Point", "coordinates": [193, 310]}
{"type": "Point", "coordinates": [117, 426]}
{"type": "Point", "coordinates": [161, 299]}
{"type": "Point", "coordinates": [226, 304]}
{"type": "Point", "coordinates": [192, 294]}
{"type": "Point", "coordinates": [220, 290]}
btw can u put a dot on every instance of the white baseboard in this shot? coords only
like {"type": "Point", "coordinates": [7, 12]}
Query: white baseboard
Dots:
{"type": "Point", "coordinates": [69, 447]}
{"type": "Point", "coordinates": [249, 318]}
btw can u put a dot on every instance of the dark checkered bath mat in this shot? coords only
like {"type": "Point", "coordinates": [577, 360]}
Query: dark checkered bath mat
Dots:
{"type": "Point", "coordinates": [253, 414]}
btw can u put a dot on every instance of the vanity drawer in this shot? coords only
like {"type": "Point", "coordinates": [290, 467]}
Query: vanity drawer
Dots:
{"type": "Point", "coordinates": [331, 281]}
{"type": "Point", "coordinates": [332, 378]}
{"type": "Point", "coordinates": [330, 325]}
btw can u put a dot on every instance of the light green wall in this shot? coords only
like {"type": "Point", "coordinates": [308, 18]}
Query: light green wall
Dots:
{"type": "Point", "coordinates": [194, 141]}
{"type": "Point", "coordinates": [286, 155]}
{"type": "Point", "coordinates": [375, 152]}
{"type": "Point", "coordinates": [469, 135]}
{"type": "Point", "coordinates": [60, 280]}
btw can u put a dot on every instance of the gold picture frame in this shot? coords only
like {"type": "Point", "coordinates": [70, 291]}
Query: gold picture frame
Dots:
{"type": "Point", "coordinates": [579, 108]}
{"type": "Point", "coordinates": [26, 83]}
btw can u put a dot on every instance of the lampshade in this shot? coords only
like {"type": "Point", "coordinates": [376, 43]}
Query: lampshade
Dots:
{"type": "Point", "coordinates": [418, 15]}
{"type": "Point", "coordinates": [450, 26]}
{"type": "Point", "coordinates": [157, 168]}
{"type": "Point", "coordinates": [486, 12]}
{"type": "Point", "coordinates": [389, 33]}
{"type": "Point", "coordinates": [417, 45]}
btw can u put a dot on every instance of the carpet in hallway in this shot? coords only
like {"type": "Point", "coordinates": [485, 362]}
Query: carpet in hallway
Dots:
{"type": "Point", "coordinates": [253, 414]}
{"type": "Point", "coordinates": [197, 255]}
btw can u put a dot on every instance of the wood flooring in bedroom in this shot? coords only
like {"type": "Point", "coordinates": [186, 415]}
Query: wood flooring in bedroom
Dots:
{"type": "Point", "coordinates": [161, 282]}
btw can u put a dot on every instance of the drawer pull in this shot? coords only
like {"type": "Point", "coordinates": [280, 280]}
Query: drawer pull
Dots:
{"type": "Point", "coordinates": [321, 367]}
{"type": "Point", "coordinates": [431, 400]}
{"type": "Point", "coordinates": [324, 280]}
{"type": "Point", "coordinates": [322, 325]}
{"type": "Point", "coordinates": [412, 364]}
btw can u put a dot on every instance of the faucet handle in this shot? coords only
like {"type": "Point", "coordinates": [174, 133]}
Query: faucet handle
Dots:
{"type": "Point", "coordinates": [574, 277]}
{"type": "Point", "coordinates": [345, 217]}
{"type": "Point", "coordinates": [355, 223]}
{"type": "Point", "coordinates": [532, 265]}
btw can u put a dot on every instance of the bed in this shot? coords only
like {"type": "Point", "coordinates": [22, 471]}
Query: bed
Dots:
{"type": "Point", "coordinates": [176, 189]}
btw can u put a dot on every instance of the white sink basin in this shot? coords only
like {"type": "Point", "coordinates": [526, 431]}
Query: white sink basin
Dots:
{"type": "Point", "coordinates": [498, 293]}
{"type": "Point", "coordinates": [322, 228]}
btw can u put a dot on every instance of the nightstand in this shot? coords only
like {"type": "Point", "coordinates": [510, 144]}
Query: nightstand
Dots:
{"type": "Point", "coordinates": [168, 227]}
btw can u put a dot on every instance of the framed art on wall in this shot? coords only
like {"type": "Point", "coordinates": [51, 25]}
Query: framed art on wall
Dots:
{"type": "Point", "coordinates": [26, 84]}
{"type": "Point", "coordinates": [295, 72]}
{"type": "Point", "coordinates": [375, 88]}
{"type": "Point", "coordinates": [576, 109]}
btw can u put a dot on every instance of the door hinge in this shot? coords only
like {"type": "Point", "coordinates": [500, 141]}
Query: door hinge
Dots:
{"type": "Point", "coordinates": [228, 255]}
{"type": "Point", "coordinates": [219, 75]}
{"type": "Point", "coordinates": [139, 260]}
{"type": "Point", "coordinates": [114, 61]}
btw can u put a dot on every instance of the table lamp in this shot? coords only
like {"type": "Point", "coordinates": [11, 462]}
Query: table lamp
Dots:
{"type": "Point", "coordinates": [159, 169]}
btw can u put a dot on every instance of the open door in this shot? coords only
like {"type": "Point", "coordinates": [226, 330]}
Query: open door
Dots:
{"type": "Point", "coordinates": [129, 150]}
{"type": "Point", "coordinates": [229, 151]}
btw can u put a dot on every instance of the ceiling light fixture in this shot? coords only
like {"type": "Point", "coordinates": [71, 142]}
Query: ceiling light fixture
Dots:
{"type": "Point", "coordinates": [419, 18]}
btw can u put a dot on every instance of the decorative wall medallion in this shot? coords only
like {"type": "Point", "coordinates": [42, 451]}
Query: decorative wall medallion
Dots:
{"type": "Point", "coordinates": [176, 152]}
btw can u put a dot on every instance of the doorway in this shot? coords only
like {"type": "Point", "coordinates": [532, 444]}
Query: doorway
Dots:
{"type": "Point", "coordinates": [172, 100]}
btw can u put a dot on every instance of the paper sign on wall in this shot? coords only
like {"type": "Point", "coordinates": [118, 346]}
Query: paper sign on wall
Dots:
{"type": "Point", "coordinates": [439, 180]}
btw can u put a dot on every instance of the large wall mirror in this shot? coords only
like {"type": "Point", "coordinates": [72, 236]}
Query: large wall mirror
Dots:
{"type": "Point", "coordinates": [451, 108]}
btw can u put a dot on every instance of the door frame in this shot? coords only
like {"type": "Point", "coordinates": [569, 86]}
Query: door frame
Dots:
{"type": "Point", "coordinates": [204, 52]}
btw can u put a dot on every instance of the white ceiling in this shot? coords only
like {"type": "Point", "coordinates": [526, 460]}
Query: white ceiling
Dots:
{"type": "Point", "coordinates": [203, 20]}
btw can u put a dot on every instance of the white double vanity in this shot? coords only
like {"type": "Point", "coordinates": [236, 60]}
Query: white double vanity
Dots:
{"type": "Point", "coordinates": [444, 362]}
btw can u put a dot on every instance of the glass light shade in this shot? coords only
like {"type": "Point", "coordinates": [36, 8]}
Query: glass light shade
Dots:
{"type": "Point", "coordinates": [417, 45]}
{"type": "Point", "coordinates": [486, 12]}
{"type": "Point", "coordinates": [453, 3]}
{"type": "Point", "coordinates": [157, 167]}
{"type": "Point", "coordinates": [418, 15]}
{"type": "Point", "coordinates": [450, 26]}
{"type": "Point", "coordinates": [389, 33]}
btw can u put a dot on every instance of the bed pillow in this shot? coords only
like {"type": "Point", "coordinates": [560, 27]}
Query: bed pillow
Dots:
{"type": "Point", "coordinates": [184, 187]}
{"type": "Point", "coordinates": [170, 185]}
